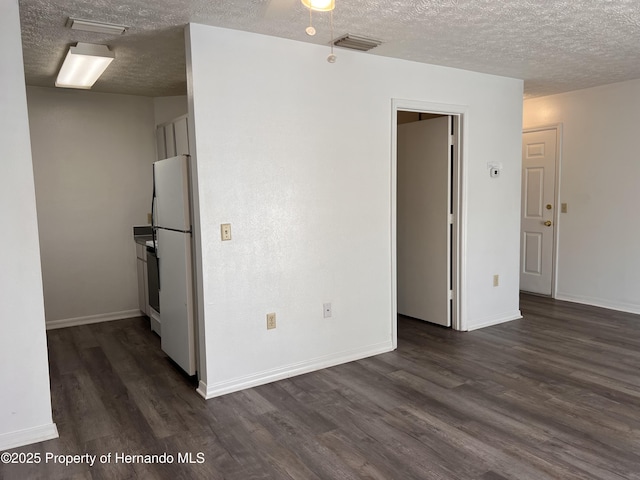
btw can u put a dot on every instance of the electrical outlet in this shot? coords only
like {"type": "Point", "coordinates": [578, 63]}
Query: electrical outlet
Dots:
{"type": "Point", "coordinates": [496, 280]}
{"type": "Point", "coordinates": [326, 308]}
{"type": "Point", "coordinates": [225, 231]}
{"type": "Point", "coordinates": [563, 208]}
{"type": "Point", "coordinates": [271, 321]}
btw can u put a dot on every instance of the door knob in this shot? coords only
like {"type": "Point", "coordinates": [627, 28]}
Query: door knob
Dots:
{"type": "Point", "coordinates": [549, 206]}
{"type": "Point", "coordinates": [547, 223]}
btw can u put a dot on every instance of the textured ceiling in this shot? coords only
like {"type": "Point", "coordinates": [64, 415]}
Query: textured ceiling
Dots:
{"type": "Point", "coordinates": [555, 46]}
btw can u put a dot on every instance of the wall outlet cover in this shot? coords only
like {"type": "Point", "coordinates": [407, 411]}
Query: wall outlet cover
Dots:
{"type": "Point", "coordinates": [271, 321]}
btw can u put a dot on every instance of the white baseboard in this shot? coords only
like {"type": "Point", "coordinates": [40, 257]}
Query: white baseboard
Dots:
{"type": "Point", "coordinates": [103, 317]}
{"type": "Point", "coordinates": [28, 436]}
{"type": "Point", "coordinates": [495, 320]}
{"type": "Point", "coordinates": [599, 302]}
{"type": "Point", "coordinates": [268, 376]}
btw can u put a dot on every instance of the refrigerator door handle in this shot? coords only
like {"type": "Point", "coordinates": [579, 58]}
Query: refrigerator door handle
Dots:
{"type": "Point", "coordinates": [153, 226]}
{"type": "Point", "coordinates": [174, 230]}
{"type": "Point", "coordinates": [153, 207]}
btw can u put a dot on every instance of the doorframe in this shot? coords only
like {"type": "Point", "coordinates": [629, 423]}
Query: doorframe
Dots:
{"type": "Point", "coordinates": [459, 241]}
{"type": "Point", "coordinates": [556, 199]}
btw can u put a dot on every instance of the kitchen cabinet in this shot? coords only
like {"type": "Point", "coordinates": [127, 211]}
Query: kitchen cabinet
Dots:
{"type": "Point", "coordinates": [161, 143]}
{"type": "Point", "coordinates": [172, 138]}
{"type": "Point", "coordinates": [181, 135]}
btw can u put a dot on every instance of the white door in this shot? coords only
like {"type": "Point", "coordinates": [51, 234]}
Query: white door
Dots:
{"type": "Point", "coordinates": [423, 221]}
{"type": "Point", "coordinates": [538, 211]}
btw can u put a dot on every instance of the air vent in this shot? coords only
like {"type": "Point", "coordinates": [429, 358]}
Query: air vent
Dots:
{"type": "Point", "coordinates": [354, 42]}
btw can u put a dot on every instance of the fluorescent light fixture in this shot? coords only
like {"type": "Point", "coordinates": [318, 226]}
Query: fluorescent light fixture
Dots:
{"type": "Point", "coordinates": [320, 5]}
{"type": "Point", "coordinates": [83, 65]}
{"type": "Point", "coordinates": [97, 27]}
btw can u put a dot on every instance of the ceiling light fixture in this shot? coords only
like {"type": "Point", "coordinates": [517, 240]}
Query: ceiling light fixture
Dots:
{"type": "Point", "coordinates": [97, 27]}
{"type": "Point", "coordinates": [83, 65]}
{"type": "Point", "coordinates": [321, 6]}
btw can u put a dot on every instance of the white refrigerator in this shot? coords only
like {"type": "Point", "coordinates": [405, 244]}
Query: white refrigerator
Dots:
{"type": "Point", "coordinates": [173, 228]}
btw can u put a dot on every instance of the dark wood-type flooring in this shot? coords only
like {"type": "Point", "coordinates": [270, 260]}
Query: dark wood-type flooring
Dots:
{"type": "Point", "coordinates": [555, 395]}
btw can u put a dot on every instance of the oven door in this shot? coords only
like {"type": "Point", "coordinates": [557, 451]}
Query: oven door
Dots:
{"type": "Point", "coordinates": [153, 279]}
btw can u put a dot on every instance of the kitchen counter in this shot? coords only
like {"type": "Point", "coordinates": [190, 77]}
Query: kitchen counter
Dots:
{"type": "Point", "coordinates": [142, 234]}
{"type": "Point", "coordinates": [143, 239]}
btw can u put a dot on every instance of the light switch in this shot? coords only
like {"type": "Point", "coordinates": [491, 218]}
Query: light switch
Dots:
{"type": "Point", "coordinates": [225, 231]}
{"type": "Point", "coordinates": [563, 208]}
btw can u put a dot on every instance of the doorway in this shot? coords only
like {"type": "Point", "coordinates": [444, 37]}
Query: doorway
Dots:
{"type": "Point", "coordinates": [427, 212]}
{"type": "Point", "coordinates": [539, 216]}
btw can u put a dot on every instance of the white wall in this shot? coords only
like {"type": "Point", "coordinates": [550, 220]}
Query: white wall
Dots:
{"type": "Point", "coordinates": [25, 401]}
{"type": "Point", "coordinates": [168, 108]}
{"type": "Point", "coordinates": [295, 153]}
{"type": "Point", "coordinates": [598, 261]}
{"type": "Point", "coordinates": [92, 156]}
